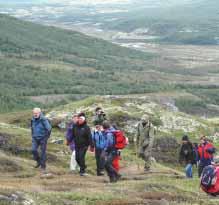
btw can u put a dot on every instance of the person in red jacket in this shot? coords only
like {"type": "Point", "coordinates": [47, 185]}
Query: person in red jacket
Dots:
{"type": "Point", "coordinates": [205, 154]}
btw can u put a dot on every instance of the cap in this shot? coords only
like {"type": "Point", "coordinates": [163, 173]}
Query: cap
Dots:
{"type": "Point", "coordinates": [145, 118]}
{"type": "Point", "coordinates": [185, 138]}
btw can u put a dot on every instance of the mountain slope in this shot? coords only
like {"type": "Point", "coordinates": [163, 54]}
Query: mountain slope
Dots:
{"type": "Point", "coordinates": [46, 60]}
{"type": "Point", "coordinates": [37, 60]}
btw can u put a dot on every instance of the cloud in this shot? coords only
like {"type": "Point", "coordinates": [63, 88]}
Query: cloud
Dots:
{"type": "Point", "coordinates": [88, 1]}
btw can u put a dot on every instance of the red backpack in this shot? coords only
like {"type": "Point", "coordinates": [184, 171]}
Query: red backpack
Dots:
{"type": "Point", "coordinates": [210, 180]}
{"type": "Point", "coordinates": [120, 140]}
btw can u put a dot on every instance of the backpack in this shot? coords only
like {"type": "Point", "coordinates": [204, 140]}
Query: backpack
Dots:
{"type": "Point", "coordinates": [49, 131]}
{"type": "Point", "coordinates": [120, 140]}
{"type": "Point", "coordinates": [99, 140]}
{"type": "Point", "coordinates": [208, 176]}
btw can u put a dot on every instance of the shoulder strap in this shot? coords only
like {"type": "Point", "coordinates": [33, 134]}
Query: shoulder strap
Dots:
{"type": "Point", "coordinates": [114, 136]}
{"type": "Point", "coordinates": [94, 136]}
{"type": "Point", "coordinates": [31, 124]}
{"type": "Point", "coordinates": [43, 123]}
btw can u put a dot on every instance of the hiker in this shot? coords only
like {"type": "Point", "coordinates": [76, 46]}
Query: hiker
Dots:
{"type": "Point", "coordinates": [205, 154]}
{"type": "Point", "coordinates": [195, 150]}
{"type": "Point", "coordinates": [70, 141]}
{"type": "Point", "coordinates": [40, 130]}
{"type": "Point", "coordinates": [99, 117]}
{"type": "Point", "coordinates": [144, 140]}
{"type": "Point", "coordinates": [187, 155]}
{"type": "Point", "coordinates": [123, 144]}
{"type": "Point", "coordinates": [110, 152]}
{"type": "Point", "coordinates": [99, 142]}
{"type": "Point", "coordinates": [83, 139]}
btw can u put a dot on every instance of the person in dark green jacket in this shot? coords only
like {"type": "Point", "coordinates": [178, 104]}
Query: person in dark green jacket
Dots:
{"type": "Point", "coordinates": [99, 117]}
{"type": "Point", "coordinates": [144, 140]}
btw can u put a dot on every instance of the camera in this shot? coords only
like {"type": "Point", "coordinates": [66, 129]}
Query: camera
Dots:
{"type": "Point", "coordinates": [102, 113]}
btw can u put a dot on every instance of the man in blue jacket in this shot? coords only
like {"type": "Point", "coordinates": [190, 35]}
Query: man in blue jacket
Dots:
{"type": "Point", "coordinates": [99, 142]}
{"type": "Point", "coordinates": [40, 129]}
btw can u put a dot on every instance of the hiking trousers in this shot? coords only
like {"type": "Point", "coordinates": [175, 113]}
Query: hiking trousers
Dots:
{"type": "Point", "coordinates": [39, 158]}
{"type": "Point", "coordinates": [100, 161]}
{"type": "Point", "coordinates": [145, 152]}
{"type": "Point", "coordinates": [188, 170]}
{"type": "Point", "coordinates": [112, 173]}
{"type": "Point", "coordinates": [80, 153]}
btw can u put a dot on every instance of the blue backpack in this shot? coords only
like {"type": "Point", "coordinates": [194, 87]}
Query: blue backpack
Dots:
{"type": "Point", "coordinates": [99, 140]}
{"type": "Point", "coordinates": [207, 176]}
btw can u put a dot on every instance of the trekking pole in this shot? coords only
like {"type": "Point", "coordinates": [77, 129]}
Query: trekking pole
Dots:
{"type": "Point", "coordinates": [136, 155]}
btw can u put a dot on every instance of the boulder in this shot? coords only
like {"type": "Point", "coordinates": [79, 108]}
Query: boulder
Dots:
{"type": "Point", "coordinates": [165, 149]}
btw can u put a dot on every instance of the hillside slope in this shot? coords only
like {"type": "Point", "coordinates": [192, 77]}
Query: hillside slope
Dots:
{"type": "Point", "coordinates": [37, 60]}
{"type": "Point", "coordinates": [46, 60]}
{"type": "Point", "coordinates": [22, 184]}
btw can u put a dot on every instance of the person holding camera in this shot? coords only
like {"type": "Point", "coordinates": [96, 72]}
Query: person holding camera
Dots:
{"type": "Point", "coordinates": [99, 117]}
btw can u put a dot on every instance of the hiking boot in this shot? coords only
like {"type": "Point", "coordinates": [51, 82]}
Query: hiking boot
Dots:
{"type": "Point", "coordinates": [83, 174]}
{"type": "Point", "coordinates": [113, 179]}
{"type": "Point", "coordinates": [43, 170]}
{"type": "Point", "coordinates": [100, 173]}
{"type": "Point", "coordinates": [119, 177]}
{"type": "Point", "coordinates": [37, 165]}
{"type": "Point", "coordinates": [147, 169]}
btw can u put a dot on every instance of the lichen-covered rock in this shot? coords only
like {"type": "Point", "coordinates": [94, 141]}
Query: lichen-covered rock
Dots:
{"type": "Point", "coordinates": [165, 149]}
{"type": "Point", "coordinates": [172, 121]}
{"type": "Point", "coordinates": [16, 198]}
{"type": "Point", "coordinates": [126, 112]}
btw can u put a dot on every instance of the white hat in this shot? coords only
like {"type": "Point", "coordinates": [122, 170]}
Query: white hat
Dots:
{"type": "Point", "coordinates": [82, 118]}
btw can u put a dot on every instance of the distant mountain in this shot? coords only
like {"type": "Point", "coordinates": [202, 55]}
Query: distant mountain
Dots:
{"type": "Point", "coordinates": [173, 21]}
{"type": "Point", "coordinates": [186, 22]}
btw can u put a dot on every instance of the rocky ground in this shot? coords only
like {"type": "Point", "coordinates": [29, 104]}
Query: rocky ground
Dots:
{"type": "Point", "coordinates": [126, 111]}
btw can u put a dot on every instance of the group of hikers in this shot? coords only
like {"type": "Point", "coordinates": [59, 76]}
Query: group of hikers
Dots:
{"type": "Point", "coordinates": [200, 155]}
{"type": "Point", "coordinates": [102, 140]}
{"type": "Point", "coordinates": [105, 139]}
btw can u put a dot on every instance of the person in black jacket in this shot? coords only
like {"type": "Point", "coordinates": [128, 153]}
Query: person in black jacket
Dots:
{"type": "Point", "coordinates": [187, 155]}
{"type": "Point", "coordinates": [82, 137]}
